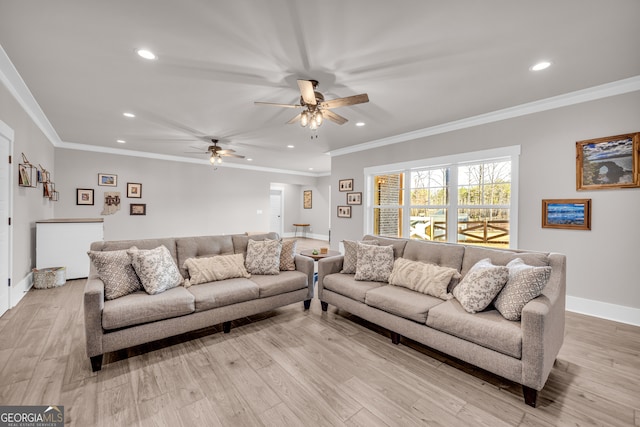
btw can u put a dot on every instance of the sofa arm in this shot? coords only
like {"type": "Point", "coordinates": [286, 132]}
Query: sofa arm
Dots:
{"type": "Point", "coordinates": [543, 321]}
{"type": "Point", "coordinates": [93, 306]}
{"type": "Point", "coordinates": [305, 265]}
{"type": "Point", "coordinates": [326, 266]}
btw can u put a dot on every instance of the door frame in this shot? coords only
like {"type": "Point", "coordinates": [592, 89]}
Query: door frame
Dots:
{"type": "Point", "coordinates": [279, 189]}
{"type": "Point", "coordinates": [7, 134]}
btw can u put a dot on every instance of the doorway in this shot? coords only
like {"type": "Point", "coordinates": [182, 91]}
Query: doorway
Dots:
{"type": "Point", "coordinates": [276, 201]}
{"type": "Point", "coordinates": [6, 192]}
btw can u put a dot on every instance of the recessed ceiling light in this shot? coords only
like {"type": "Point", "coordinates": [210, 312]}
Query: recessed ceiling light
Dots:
{"type": "Point", "coordinates": [129, 115]}
{"type": "Point", "coordinates": [360, 124]}
{"type": "Point", "coordinates": [290, 146]}
{"type": "Point", "coordinates": [542, 65]}
{"type": "Point", "coordinates": [310, 169]}
{"type": "Point", "coordinates": [249, 160]}
{"type": "Point", "coordinates": [146, 54]}
{"type": "Point", "coordinates": [120, 141]}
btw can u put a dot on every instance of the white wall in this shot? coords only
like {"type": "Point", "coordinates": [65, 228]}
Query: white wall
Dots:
{"type": "Point", "coordinates": [602, 263]}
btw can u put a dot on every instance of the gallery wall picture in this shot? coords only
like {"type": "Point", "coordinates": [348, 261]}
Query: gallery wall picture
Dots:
{"type": "Point", "coordinates": [84, 196]}
{"type": "Point", "coordinates": [354, 198]}
{"type": "Point", "coordinates": [137, 209]}
{"type": "Point", "coordinates": [108, 179]}
{"type": "Point", "coordinates": [134, 190]}
{"type": "Point", "coordinates": [344, 211]}
{"type": "Point", "coordinates": [345, 184]}
{"type": "Point", "coordinates": [566, 213]}
{"type": "Point", "coordinates": [306, 199]}
{"type": "Point", "coordinates": [610, 162]}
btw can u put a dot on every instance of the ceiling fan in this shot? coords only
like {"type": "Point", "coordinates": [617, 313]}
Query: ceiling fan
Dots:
{"type": "Point", "coordinates": [217, 153]}
{"type": "Point", "coordinates": [316, 109]}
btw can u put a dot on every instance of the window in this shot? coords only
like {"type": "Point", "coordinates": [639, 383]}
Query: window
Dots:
{"type": "Point", "coordinates": [466, 199]}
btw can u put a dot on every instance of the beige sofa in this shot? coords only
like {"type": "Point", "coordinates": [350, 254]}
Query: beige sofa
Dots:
{"type": "Point", "coordinates": [139, 318]}
{"type": "Point", "coordinates": [522, 351]}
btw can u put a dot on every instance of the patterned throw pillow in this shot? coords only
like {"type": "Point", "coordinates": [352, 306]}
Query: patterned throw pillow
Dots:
{"type": "Point", "coordinates": [288, 255]}
{"type": "Point", "coordinates": [115, 270]}
{"type": "Point", "coordinates": [351, 255]}
{"type": "Point", "coordinates": [481, 285]}
{"type": "Point", "coordinates": [374, 263]}
{"type": "Point", "coordinates": [524, 284]}
{"type": "Point", "coordinates": [425, 278]}
{"type": "Point", "coordinates": [155, 268]}
{"type": "Point", "coordinates": [263, 257]}
{"type": "Point", "coordinates": [211, 269]}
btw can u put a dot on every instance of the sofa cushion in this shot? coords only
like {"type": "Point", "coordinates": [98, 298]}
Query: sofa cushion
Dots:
{"type": "Point", "coordinates": [425, 278]}
{"type": "Point", "coordinates": [401, 302]}
{"type": "Point", "coordinates": [374, 263]}
{"type": "Point", "coordinates": [115, 245]}
{"type": "Point", "coordinates": [347, 285]}
{"type": "Point", "coordinates": [350, 261]}
{"type": "Point", "coordinates": [488, 329]}
{"type": "Point", "coordinates": [397, 244]}
{"type": "Point", "coordinates": [156, 269]}
{"type": "Point", "coordinates": [438, 253]}
{"type": "Point", "coordinates": [524, 284]}
{"type": "Point", "coordinates": [211, 269]}
{"type": "Point", "coordinates": [116, 272]}
{"type": "Point", "coordinates": [473, 254]}
{"type": "Point", "coordinates": [201, 246]}
{"type": "Point", "coordinates": [286, 281]}
{"type": "Point", "coordinates": [263, 257]}
{"type": "Point", "coordinates": [288, 255]}
{"type": "Point", "coordinates": [223, 293]}
{"type": "Point", "coordinates": [139, 307]}
{"type": "Point", "coordinates": [481, 285]}
{"type": "Point", "coordinates": [241, 241]}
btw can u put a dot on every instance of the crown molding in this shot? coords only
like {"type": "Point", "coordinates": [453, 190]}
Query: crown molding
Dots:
{"type": "Point", "coordinates": [619, 87]}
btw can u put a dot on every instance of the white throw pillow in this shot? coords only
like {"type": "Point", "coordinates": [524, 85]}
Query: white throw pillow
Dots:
{"type": "Point", "coordinates": [374, 263]}
{"type": "Point", "coordinates": [211, 269]}
{"type": "Point", "coordinates": [425, 278]}
{"type": "Point", "coordinates": [156, 269]}
{"type": "Point", "coordinates": [263, 257]}
{"type": "Point", "coordinates": [480, 285]}
{"type": "Point", "coordinates": [350, 260]}
{"type": "Point", "coordinates": [525, 283]}
{"type": "Point", "coordinates": [115, 270]}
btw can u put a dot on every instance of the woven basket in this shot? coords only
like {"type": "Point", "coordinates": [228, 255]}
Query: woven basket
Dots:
{"type": "Point", "coordinates": [49, 277]}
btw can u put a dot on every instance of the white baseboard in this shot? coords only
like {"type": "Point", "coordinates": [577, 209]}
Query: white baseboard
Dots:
{"type": "Point", "coordinates": [604, 310]}
{"type": "Point", "coordinates": [302, 235]}
{"type": "Point", "coordinates": [19, 290]}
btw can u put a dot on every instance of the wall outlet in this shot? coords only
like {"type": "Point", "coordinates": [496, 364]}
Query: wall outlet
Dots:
{"type": "Point", "coordinates": [259, 212]}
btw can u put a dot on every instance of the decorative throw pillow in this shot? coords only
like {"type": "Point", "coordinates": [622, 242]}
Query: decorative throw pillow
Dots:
{"type": "Point", "coordinates": [263, 257]}
{"type": "Point", "coordinates": [525, 283]}
{"type": "Point", "coordinates": [115, 270]}
{"type": "Point", "coordinates": [374, 262]}
{"type": "Point", "coordinates": [351, 254]}
{"type": "Point", "coordinates": [288, 255]}
{"type": "Point", "coordinates": [155, 268]}
{"type": "Point", "coordinates": [480, 285]}
{"type": "Point", "coordinates": [214, 268]}
{"type": "Point", "coordinates": [425, 278]}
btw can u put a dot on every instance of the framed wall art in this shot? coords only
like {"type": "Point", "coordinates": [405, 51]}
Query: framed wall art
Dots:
{"type": "Point", "coordinates": [610, 162]}
{"type": "Point", "coordinates": [108, 179]}
{"type": "Point", "coordinates": [354, 198]}
{"type": "Point", "coordinates": [345, 184]}
{"type": "Point", "coordinates": [566, 213]}
{"type": "Point", "coordinates": [84, 196]}
{"type": "Point", "coordinates": [306, 199]}
{"type": "Point", "coordinates": [134, 190]}
{"type": "Point", "coordinates": [137, 209]}
{"type": "Point", "coordinates": [344, 211]}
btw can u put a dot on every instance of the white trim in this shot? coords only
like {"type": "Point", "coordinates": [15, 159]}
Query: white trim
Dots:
{"type": "Point", "coordinates": [604, 310]}
{"type": "Point", "coordinates": [8, 133]}
{"type": "Point", "coordinates": [20, 289]}
{"type": "Point", "coordinates": [631, 84]}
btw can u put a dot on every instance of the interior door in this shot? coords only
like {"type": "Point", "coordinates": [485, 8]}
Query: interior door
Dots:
{"type": "Point", "coordinates": [6, 137]}
{"type": "Point", "coordinates": [276, 211]}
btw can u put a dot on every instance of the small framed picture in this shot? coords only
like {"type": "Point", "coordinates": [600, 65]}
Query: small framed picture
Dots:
{"type": "Point", "coordinates": [137, 209]}
{"type": "Point", "coordinates": [108, 179]}
{"type": "Point", "coordinates": [566, 213]}
{"type": "Point", "coordinates": [84, 196]}
{"type": "Point", "coordinates": [306, 199]}
{"type": "Point", "coordinates": [345, 185]}
{"type": "Point", "coordinates": [610, 162]}
{"type": "Point", "coordinates": [354, 198]}
{"type": "Point", "coordinates": [344, 211]}
{"type": "Point", "coordinates": [134, 190]}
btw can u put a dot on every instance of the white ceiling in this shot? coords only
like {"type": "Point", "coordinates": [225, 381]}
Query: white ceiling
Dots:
{"type": "Point", "coordinates": [422, 62]}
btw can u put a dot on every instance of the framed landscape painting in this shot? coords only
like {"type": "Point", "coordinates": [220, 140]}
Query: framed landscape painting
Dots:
{"type": "Point", "coordinates": [108, 179]}
{"type": "Point", "coordinates": [566, 213]}
{"type": "Point", "coordinates": [611, 162]}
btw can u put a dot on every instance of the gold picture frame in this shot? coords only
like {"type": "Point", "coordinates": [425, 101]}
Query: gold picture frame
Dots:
{"type": "Point", "coordinates": [610, 162]}
{"type": "Point", "coordinates": [307, 199]}
{"type": "Point", "coordinates": [566, 213]}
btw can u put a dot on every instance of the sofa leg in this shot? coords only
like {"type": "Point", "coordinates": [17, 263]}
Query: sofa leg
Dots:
{"type": "Point", "coordinates": [226, 327]}
{"type": "Point", "coordinates": [395, 338]}
{"type": "Point", "coordinates": [324, 305]}
{"type": "Point", "coordinates": [307, 304]}
{"type": "Point", "coordinates": [530, 396]}
{"type": "Point", "coordinates": [96, 362]}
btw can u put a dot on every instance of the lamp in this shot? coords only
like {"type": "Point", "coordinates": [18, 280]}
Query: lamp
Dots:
{"type": "Point", "coordinates": [312, 118]}
{"type": "Point", "coordinates": [215, 157]}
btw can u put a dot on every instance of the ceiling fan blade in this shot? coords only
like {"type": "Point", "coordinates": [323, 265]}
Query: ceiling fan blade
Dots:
{"type": "Point", "coordinates": [272, 104]}
{"type": "Point", "coordinates": [328, 114]}
{"type": "Point", "coordinates": [226, 151]}
{"type": "Point", "coordinates": [295, 119]}
{"type": "Point", "coordinates": [237, 156]}
{"type": "Point", "coordinates": [307, 92]}
{"type": "Point", "coordinates": [349, 100]}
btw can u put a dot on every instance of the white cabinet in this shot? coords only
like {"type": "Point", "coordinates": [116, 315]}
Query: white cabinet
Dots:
{"type": "Point", "coordinates": [65, 242]}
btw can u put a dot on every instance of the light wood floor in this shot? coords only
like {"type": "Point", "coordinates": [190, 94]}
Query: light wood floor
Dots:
{"type": "Point", "coordinates": [289, 367]}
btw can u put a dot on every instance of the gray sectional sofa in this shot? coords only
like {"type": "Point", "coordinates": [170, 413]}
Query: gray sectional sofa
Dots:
{"type": "Point", "coordinates": [139, 318]}
{"type": "Point", "coordinates": [522, 351]}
